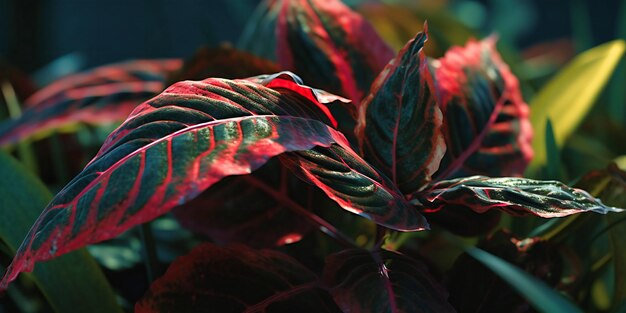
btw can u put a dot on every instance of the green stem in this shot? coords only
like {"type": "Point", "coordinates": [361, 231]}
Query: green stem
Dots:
{"type": "Point", "coordinates": [149, 251]}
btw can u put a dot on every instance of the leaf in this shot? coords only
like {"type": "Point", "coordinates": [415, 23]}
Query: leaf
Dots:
{"type": "Point", "coordinates": [382, 281]}
{"type": "Point", "coordinates": [567, 98]}
{"type": "Point", "coordinates": [225, 62]}
{"type": "Point", "coordinates": [329, 45]}
{"type": "Point", "coordinates": [356, 186]}
{"type": "Point", "coordinates": [257, 209]}
{"type": "Point", "coordinates": [399, 121]}
{"type": "Point", "coordinates": [103, 95]}
{"type": "Point", "coordinates": [516, 196]}
{"type": "Point", "coordinates": [21, 197]}
{"type": "Point", "coordinates": [610, 185]}
{"type": "Point", "coordinates": [536, 292]}
{"type": "Point", "coordinates": [486, 125]}
{"type": "Point", "coordinates": [476, 287]}
{"type": "Point", "coordinates": [169, 150]}
{"type": "Point", "coordinates": [235, 279]}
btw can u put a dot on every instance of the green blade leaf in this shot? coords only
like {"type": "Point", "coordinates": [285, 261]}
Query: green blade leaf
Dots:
{"type": "Point", "coordinates": [568, 97]}
{"type": "Point", "coordinates": [72, 283]}
{"type": "Point", "coordinates": [542, 297]}
{"type": "Point", "coordinates": [399, 124]}
{"type": "Point", "coordinates": [516, 196]}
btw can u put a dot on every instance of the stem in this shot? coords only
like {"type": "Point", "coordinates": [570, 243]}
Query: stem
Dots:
{"type": "Point", "coordinates": [149, 251]}
{"type": "Point", "coordinates": [317, 221]}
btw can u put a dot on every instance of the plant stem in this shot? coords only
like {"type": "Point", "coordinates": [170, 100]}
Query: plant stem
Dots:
{"type": "Point", "coordinates": [149, 251]}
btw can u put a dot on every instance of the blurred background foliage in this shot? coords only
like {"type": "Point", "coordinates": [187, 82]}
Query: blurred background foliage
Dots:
{"type": "Point", "coordinates": [48, 39]}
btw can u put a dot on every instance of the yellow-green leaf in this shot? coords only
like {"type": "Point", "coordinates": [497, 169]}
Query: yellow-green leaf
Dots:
{"type": "Point", "coordinates": [567, 98]}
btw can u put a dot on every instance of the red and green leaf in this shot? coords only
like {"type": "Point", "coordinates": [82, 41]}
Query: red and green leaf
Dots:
{"type": "Point", "coordinates": [225, 62]}
{"type": "Point", "coordinates": [330, 46]}
{"type": "Point", "coordinates": [486, 124]}
{"type": "Point", "coordinates": [103, 95]}
{"type": "Point", "coordinates": [168, 151]}
{"type": "Point", "coordinates": [236, 279]}
{"type": "Point", "coordinates": [382, 281]}
{"type": "Point", "coordinates": [356, 186]}
{"type": "Point", "coordinates": [262, 209]}
{"type": "Point", "coordinates": [399, 125]}
{"type": "Point", "coordinates": [516, 196]}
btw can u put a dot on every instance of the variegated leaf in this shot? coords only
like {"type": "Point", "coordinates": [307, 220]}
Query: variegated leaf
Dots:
{"type": "Point", "coordinates": [399, 124]}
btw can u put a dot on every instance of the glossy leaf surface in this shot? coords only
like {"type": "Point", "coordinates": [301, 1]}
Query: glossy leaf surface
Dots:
{"type": "Point", "coordinates": [103, 95]}
{"type": "Point", "coordinates": [236, 279]}
{"type": "Point", "coordinates": [516, 196]}
{"type": "Point", "coordinates": [330, 46]}
{"type": "Point", "coordinates": [356, 186]}
{"type": "Point", "coordinates": [487, 130]}
{"type": "Point", "coordinates": [399, 125]}
{"type": "Point", "coordinates": [382, 281]}
{"type": "Point", "coordinates": [168, 151]}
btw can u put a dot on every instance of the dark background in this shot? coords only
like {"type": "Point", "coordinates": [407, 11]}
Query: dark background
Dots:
{"type": "Point", "coordinates": [34, 33]}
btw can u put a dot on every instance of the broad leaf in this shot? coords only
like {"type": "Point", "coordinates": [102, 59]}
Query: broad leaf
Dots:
{"type": "Point", "coordinates": [103, 95]}
{"type": "Point", "coordinates": [21, 197]}
{"type": "Point", "coordinates": [168, 151]}
{"type": "Point", "coordinates": [356, 186]}
{"type": "Point", "coordinates": [399, 125]}
{"type": "Point", "coordinates": [516, 196]}
{"type": "Point", "coordinates": [260, 209]}
{"type": "Point", "coordinates": [236, 279]}
{"type": "Point", "coordinates": [225, 62]}
{"type": "Point", "coordinates": [486, 126]}
{"type": "Point", "coordinates": [567, 98]}
{"type": "Point", "coordinates": [382, 281]}
{"type": "Point", "coordinates": [330, 46]}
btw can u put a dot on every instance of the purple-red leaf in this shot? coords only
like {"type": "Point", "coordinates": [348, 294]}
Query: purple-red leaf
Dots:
{"type": "Point", "coordinates": [236, 279]}
{"type": "Point", "coordinates": [399, 125]}
{"type": "Point", "coordinates": [486, 124]}
{"type": "Point", "coordinates": [105, 94]}
{"type": "Point", "coordinates": [169, 150]}
{"type": "Point", "coordinates": [225, 62]}
{"type": "Point", "coordinates": [330, 46]}
{"type": "Point", "coordinates": [516, 196]}
{"type": "Point", "coordinates": [382, 281]}
{"type": "Point", "coordinates": [260, 209]}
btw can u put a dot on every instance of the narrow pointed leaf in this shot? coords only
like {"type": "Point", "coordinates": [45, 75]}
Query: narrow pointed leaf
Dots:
{"type": "Point", "coordinates": [103, 95]}
{"type": "Point", "coordinates": [382, 281]}
{"type": "Point", "coordinates": [356, 186]}
{"type": "Point", "coordinates": [236, 279]}
{"type": "Point", "coordinates": [330, 46]}
{"type": "Point", "coordinates": [168, 151]}
{"type": "Point", "coordinates": [21, 197]}
{"type": "Point", "coordinates": [258, 210]}
{"type": "Point", "coordinates": [567, 98]}
{"type": "Point", "coordinates": [224, 62]}
{"type": "Point", "coordinates": [399, 125]}
{"type": "Point", "coordinates": [516, 196]}
{"type": "Point", "coordinates": [486, 124]}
